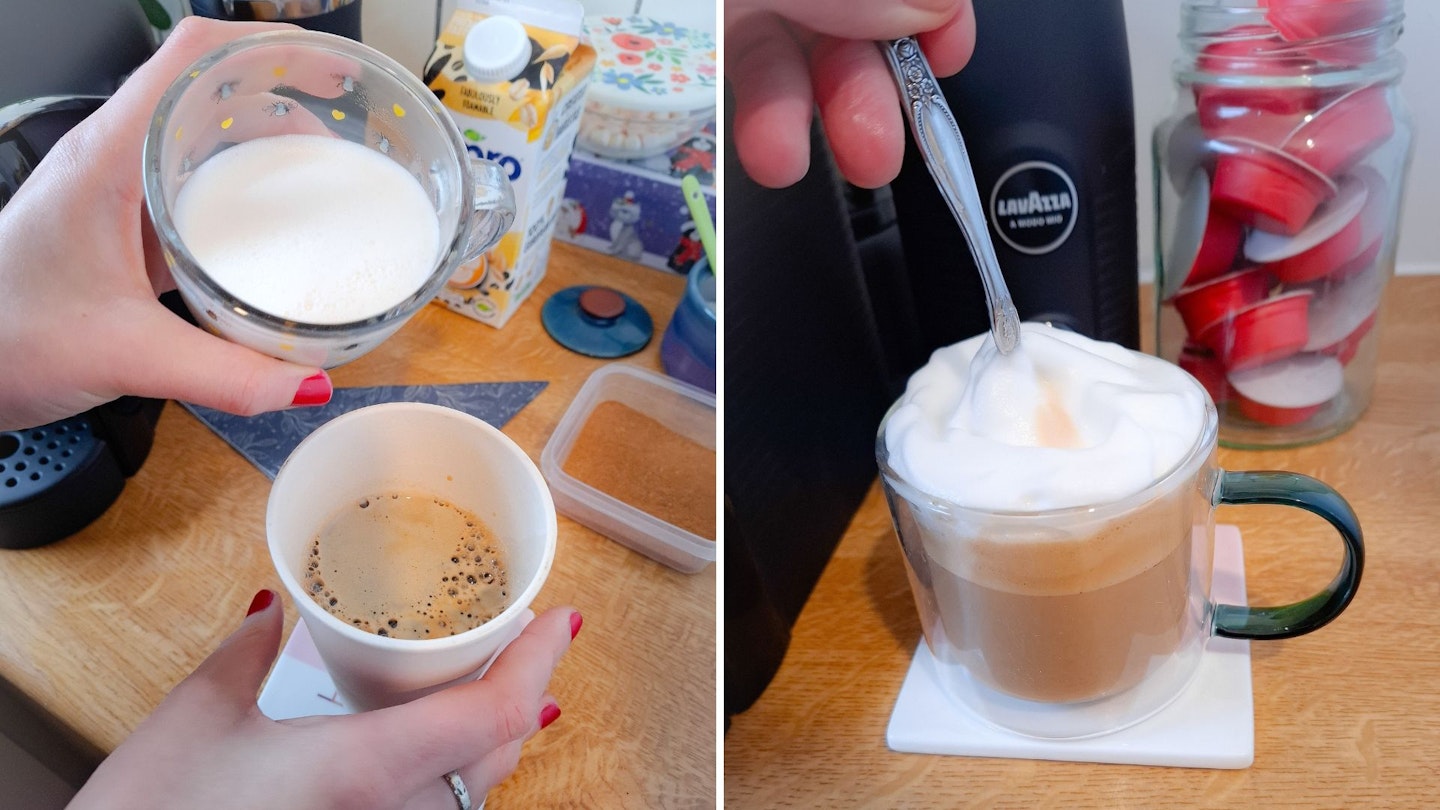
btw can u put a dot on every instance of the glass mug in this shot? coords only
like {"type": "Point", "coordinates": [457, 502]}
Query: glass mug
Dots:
{"type": "Point", "coordinates": [304, 82]}
{"type": "Point", "coordinates": [1077, 622]}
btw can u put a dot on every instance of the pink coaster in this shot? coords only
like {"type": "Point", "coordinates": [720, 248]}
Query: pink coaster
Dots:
{"type": "Point", "coordinates": [1211, 724]}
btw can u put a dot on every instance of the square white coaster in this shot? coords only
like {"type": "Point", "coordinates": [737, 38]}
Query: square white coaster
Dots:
{"type": "Point", "coordinates": [1211, 724]}
{"type": "Point", "coordinates": [299, 685]}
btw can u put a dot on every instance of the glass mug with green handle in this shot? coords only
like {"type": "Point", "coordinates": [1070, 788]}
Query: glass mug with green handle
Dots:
{"type": "Point", "coordinates": [1080, 621]}
{"type": "Point", "coordinates": [310, 194]}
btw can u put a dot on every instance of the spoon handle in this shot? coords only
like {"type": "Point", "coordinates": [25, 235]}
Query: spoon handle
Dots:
{"type": "Point", "coordinates": [938, 137]}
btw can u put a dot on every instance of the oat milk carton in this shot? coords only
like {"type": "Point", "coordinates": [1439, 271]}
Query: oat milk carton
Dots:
{"type": "Point", "coordinates": [512, 73]}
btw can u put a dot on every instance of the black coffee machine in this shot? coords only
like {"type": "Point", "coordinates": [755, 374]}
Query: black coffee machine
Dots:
{"type": "Point", "coordinates": [837, 294]}
{"type": "Point", "coordinates": [56, 479]}
{"type": "Point", "coordinates": [1046, 111]}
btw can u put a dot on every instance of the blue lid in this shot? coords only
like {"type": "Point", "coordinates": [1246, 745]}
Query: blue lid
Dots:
{"type": "Point", "coordinates": [597, 321]}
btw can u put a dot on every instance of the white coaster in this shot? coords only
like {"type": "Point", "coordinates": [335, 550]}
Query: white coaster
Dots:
{"type": "Point", "coordinates": [299, 685]}
{"type": "Point", "coordinates": [1211, 724]}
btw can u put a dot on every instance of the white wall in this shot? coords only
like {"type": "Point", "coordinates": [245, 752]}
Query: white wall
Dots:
{"type": "Point", "coordinates": [1153, 27]}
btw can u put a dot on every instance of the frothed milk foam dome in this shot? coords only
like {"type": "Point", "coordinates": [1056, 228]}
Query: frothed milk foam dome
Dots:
{"type": "Point", "coordinates": [1063, 421]}
{"type": "Point", "coordinates": [309, 228]}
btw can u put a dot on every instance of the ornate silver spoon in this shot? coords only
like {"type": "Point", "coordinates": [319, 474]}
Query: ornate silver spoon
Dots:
{"type": "Point", "coordinates": [938, 137]}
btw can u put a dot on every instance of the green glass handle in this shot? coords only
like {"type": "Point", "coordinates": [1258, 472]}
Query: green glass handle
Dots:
{"type": "Point", "coordinates": [1299, 618]}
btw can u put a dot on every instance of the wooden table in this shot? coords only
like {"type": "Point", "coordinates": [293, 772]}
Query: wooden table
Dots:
{"type": "Point", "coordinates": [1347, 717]}
{"type": "Point", "coordinates": [99, 627]}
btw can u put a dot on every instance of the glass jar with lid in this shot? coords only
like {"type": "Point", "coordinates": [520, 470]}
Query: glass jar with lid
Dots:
{"type": "Point", "coordinates": [1278, 183]}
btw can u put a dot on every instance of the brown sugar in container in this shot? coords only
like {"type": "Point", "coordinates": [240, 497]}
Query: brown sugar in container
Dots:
{"type": "Point", "coordinates": [634, 459]}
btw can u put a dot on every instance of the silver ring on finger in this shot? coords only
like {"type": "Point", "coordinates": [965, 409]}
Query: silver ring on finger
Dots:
{"type": "Point", "coordinates": [457, 786]}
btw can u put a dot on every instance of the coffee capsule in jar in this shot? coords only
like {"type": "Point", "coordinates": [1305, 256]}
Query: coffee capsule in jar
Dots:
{"type": "Point", "coordinates": [1282, 167]}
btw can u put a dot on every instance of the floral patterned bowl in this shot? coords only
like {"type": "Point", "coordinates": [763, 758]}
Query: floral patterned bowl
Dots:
{"type": "Point", "coordinates": [653, 86]}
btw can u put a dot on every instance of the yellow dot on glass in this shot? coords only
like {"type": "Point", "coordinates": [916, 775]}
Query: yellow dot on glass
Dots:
{"type": "Point", "coordinates": [337, 115]}
{"type": "Point", "coordinates": [194, 74]}
{"type": "Point", "coordinates": [226, 123]}
{"type": "Point", "coordinates": [178, 130]}
{"type": "Point", "coordinates": [278, 70]}
{"type": "Point", "coordinates": [399, 111]}
{"type": "Point", "coordinates": [287, 347]}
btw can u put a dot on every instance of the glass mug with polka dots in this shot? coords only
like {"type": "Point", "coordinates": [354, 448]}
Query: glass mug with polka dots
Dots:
{"type": "Point", "coordinates": [310, 194]}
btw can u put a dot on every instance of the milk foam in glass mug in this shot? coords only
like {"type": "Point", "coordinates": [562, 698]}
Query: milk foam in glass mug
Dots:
{"type": "Point", "coordinates": [310, 194]}
{"type": "Point", "coordinates": [1072, 622]}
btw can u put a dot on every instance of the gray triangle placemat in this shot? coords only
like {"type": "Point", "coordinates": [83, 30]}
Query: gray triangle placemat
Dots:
{"type": "Point", "coordinates": [266, 440]}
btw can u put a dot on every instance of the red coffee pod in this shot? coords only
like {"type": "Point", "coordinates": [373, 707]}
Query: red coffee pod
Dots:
{"type": "Point", "coordinates": [1335, 137]}
{"type": "Point", "coordinates": [1374, 221]}
{"type": "Point", "coordinates": [1261, 333]}
{"type": "Point", "coordinates": [1275, 417]}
{"type": "Point", "coordinates": [1345, 349]}
{"type": "Point", "coordinates": [1230, 113]}
{"type": "Point", "coordinates": [1206, 368]}
{"type": "Point", "coordinates": [1252, 50]}
{"type": "Point", "coordinates": [1340, 309]}
{"type": "Point", "coordinates": [1210, 302]}
{"type": "Point", "coordinates": [1299, 20]}
{"type": "Point", "coordinates": [1288, 391]}
{"type": "Point", "coordinates": [1218, 247]}
{"type": "Point", "coordinates": [1359, 262]}
{"type": "Point", "coordinates": [1266, 187]}
{"type": "Point", "coordinates": [1203, 243]}
{"type": "Point", "coordinates": [1322, 259]}
{"type": "Point", "coordinates": [1328, 240]}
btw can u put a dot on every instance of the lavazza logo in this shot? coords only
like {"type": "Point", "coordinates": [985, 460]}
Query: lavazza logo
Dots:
{"type": "Point", "coordinates": [1034, 207]}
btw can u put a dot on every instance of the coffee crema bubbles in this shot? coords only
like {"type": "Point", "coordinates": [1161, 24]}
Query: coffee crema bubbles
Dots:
{"type": "Point", "coordinates": [407, 565]}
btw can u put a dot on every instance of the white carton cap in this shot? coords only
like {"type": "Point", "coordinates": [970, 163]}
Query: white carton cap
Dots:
{"type": "Point", "coordinates": [497, 49]}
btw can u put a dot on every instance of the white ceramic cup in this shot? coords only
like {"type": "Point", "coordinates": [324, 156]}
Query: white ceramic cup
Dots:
{"type": "Point", "coordinates": [410, 447]}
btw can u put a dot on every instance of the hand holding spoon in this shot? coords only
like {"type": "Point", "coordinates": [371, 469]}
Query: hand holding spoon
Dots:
{"type": "Point", "coordinates": [938, 137]}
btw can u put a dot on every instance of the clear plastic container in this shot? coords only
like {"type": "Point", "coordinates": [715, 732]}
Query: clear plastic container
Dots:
{"type": "Point", "coordinates": [684, 411]}
{"type": "Point", "coordinates": [653, 88]}
{"type": "Point", "coordinates": [1278, 184]}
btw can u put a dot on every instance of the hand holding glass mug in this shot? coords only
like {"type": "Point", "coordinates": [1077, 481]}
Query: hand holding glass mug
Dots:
{"type": "Point", "coordinates": [310, 195]}
{"type": "Point", "coordinates": [82, 270]}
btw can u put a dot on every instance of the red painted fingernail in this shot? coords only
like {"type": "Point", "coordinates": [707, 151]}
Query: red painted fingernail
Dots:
{"type": "Point", "coordinates": [548, 714]}
{"type": "Point", "coordinates": [313, 390]}
{"type": "Point", "coordinates": [261, 601]}
{"type": "Point", "coordinates": [575, 622]}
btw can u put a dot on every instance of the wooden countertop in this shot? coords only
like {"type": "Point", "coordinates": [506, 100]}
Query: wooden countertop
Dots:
{"type": "Point", "coordinates": [99, 627]}
{"type": "Point", "coordinates": [1346, 717]}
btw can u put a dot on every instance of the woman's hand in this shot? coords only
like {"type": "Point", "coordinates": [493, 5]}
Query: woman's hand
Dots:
{"type": "Point", "coordinates": [784, 57]}
{"type": "Point", "coordinates": [207, 745]}
{"type": "Point", "coordinates": [80, 271]}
